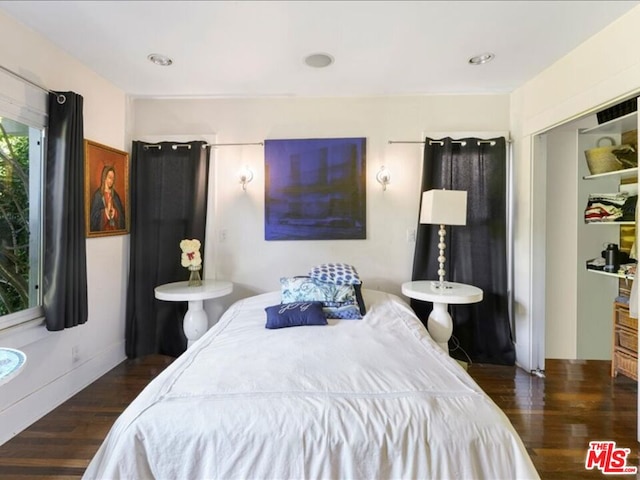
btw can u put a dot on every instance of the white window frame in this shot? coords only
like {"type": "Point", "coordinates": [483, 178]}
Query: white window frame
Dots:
{"type": "Point", "coordinates": [26, 104]}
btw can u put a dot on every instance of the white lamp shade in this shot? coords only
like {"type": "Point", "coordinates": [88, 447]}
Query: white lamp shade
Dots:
{"type": "Point", "coordinates": [444, 207]}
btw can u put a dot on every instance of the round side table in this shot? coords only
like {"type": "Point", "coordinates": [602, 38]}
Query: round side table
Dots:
{"type": "Point", "coordinates": [195, 321]}
{"type": "Point", "coordinates": [440, 324]}
{"type": "Point", "coordinates": [11, 363]}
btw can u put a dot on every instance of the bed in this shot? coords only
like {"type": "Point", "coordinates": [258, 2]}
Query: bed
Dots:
{"type": "Point", "coordinates": [374, 398]}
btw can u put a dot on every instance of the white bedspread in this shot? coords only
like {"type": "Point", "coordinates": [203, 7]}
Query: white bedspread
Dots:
{"type": "Point", "coordinates": [360, 399]}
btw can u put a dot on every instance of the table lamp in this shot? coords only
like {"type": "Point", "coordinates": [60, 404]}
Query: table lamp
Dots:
{"type": "Point", "coordinates": [443, 207]}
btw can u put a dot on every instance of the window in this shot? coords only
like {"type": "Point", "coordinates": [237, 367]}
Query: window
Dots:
{"type": "Point", "coordinates": [21, 195]}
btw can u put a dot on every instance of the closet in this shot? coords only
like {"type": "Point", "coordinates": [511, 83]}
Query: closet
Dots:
{"type": "Point", "coordinates": [580, 302]}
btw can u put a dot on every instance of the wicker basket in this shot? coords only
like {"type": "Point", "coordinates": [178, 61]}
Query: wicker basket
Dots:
{"type": "Point", "coordinates": [625, 320]}
{"type": "Point", "coordinates": [603, 159]}
{"type": "Point", "coordinates": [627, 339]}
{"type": "Point", "coordinates": [626, 364]}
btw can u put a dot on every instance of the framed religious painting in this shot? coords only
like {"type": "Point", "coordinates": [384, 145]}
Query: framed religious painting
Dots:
{"type": "Point", "coordinates": [106, 190]}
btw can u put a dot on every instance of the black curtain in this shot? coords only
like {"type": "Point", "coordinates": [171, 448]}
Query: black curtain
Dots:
{"type": "Point", "coordinates": [65, 258]}
{"type": "Point", "coordinates": [168, 204]}
{"type": "Point", "coordinates": [477, 252]}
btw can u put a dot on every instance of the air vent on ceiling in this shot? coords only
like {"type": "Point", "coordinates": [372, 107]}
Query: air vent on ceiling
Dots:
{"type": "Point", "coordinates": [619, 110]}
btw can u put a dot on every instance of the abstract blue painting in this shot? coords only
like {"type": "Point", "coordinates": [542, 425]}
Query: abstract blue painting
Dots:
{"type": "Point", "coordinates": [315, 189]}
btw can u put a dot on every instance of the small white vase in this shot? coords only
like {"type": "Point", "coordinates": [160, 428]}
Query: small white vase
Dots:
{"type": "Point", "coordinates": [194, 276]}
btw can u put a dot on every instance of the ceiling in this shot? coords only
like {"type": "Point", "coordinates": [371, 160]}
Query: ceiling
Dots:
{"type": "Point", "coordinates": [257, 48]}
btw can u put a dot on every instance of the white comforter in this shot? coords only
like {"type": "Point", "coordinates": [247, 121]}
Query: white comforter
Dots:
{"type": "Point", "coordinates": [361, 399]}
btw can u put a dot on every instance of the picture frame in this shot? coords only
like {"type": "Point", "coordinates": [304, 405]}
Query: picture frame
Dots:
{"type": "Point", "coordinates": [315, 189]}
{"type": "Point", "coordinates": [106, 188]}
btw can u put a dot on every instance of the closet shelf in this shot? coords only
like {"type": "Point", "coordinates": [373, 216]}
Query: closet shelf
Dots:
{"type": "Point", "coordinates": [617, 125]}
{"type": "Point", "coordinates": [611, 223]}
{"type": "Point", "coordinates": [609, 274]}
{"type": "Point", "coordinates": [622, 174]}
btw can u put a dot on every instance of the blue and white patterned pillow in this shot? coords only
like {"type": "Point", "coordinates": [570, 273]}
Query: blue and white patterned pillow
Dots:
{"type": "Point", "coordinates": [337, 273]}
{"type": "Point", "coordinates": [340, 274]}
{"type": "Point", "coordinates": [338, 301]}
{"type": "Point", "coordinates": [344, 312]}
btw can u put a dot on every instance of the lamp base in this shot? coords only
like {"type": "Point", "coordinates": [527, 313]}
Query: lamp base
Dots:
{"type": "Point", "coordinates": [440, 285]}
{"type": "Point", "coordinates": [441, 259]}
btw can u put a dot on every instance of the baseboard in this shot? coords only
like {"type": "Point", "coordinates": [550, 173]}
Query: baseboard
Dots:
{"type": "Point", "coordinates": [30, 409]}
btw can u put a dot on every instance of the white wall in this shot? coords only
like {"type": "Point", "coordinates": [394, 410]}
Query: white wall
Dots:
{"type": "Point", "coordinates": [50, 375]}
{"type": "Point", "coordinates": [600, 71]}
{"type": "Point", "coordinates": [384, 259]}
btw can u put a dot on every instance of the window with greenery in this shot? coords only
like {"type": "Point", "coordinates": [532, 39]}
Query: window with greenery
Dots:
{"type": "Point", "coordinates": [20, 221]}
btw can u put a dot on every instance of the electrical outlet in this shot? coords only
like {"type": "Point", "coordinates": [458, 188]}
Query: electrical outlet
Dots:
{"type": "Point", "coordinates": [222, 235]}
{"type": "Point", "coordinates": [411, 235]}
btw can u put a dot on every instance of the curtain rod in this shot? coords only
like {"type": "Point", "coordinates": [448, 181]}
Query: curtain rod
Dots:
{"type": "Point", "coordinates": [173, 147]}
{"type": "Point", "coordinates": [61, 98]}
{"type": "Point", "coordinates": [177, 145]}
{"type": "Point", "coordinates": [441, 143]}
{"type": "Point", "coordinates": [230, 144]}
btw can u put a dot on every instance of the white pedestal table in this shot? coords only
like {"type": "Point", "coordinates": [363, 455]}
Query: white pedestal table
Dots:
{"type": "Point", "coordinates": [195, 321]}
{"type": "Point", "coordinates": [440, 324]}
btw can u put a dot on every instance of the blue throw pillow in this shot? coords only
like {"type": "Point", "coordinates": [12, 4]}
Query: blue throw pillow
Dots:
{"type": "Point", "coordinates": [307, 289]}
{"type": "Point", "coordinates": [340, 274]}
{"type": "Point", "coordinates": [360, 299]}
{"type": "Point", "coordinates": [295, 315]}
{"type": "Point", "coordinates": [337, 273]}
{"type": "Point", "coordinates": [338, 301]}
{"type": "Point", "coordinates": [344, 312]}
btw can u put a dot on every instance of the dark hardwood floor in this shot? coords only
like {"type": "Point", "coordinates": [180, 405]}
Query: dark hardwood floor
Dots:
{"type": "Point", "coordinates": [61, 444]}
{"type": "Point", "coordinates": [556, 417]}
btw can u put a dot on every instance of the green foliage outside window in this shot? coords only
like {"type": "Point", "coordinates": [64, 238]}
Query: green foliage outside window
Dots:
{"type": "Point", "coordinates": [14, 222]}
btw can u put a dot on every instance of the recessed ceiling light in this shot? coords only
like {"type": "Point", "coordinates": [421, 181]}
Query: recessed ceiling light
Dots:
{"type": "Point", "coordinates": [480, 59]}
{"type": "Point", "coordinates": [160, 59]}
{"type": "Point", "coordinates": [319, 60]}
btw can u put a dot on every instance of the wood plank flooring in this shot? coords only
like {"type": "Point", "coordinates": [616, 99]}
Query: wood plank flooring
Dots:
{"type": "Point", "coordinates": [556, 417]}
{"type": "Point", "coordinates": [61, 444]}
{"type": "Point", "coordinates": [559, 415]}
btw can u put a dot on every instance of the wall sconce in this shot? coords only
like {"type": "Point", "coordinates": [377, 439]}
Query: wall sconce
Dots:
{"type": "Point", "coordinates": [383, 177]}
{"type": "Point", "coordinates": [246, 175]}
